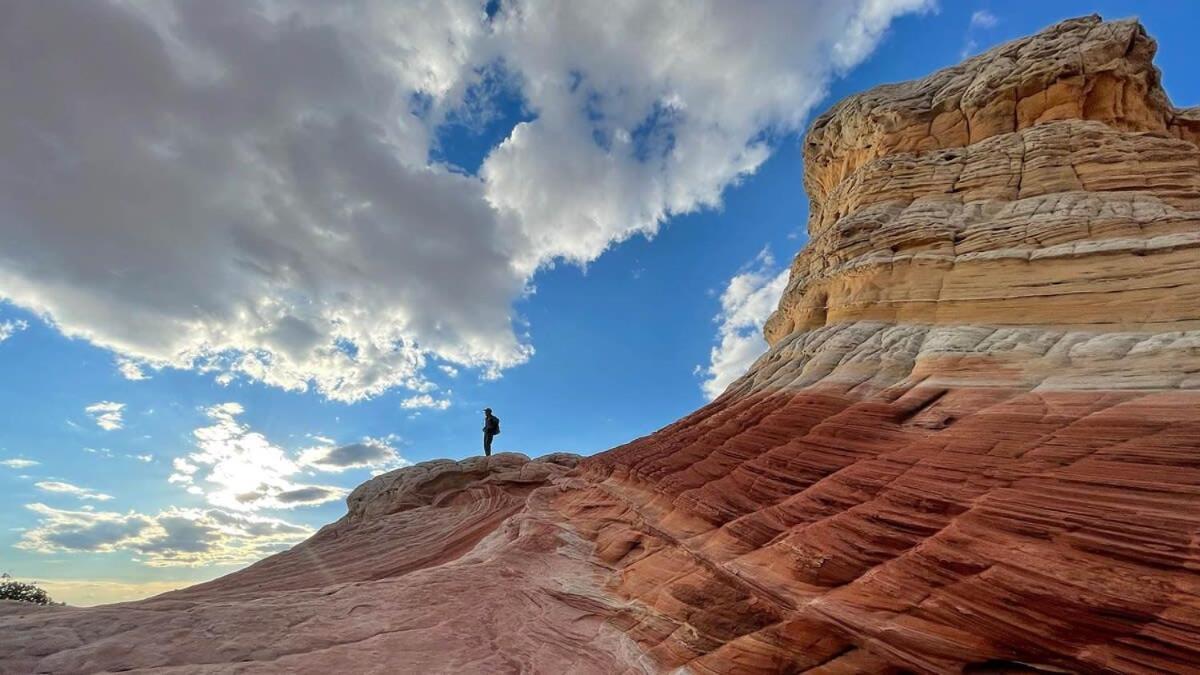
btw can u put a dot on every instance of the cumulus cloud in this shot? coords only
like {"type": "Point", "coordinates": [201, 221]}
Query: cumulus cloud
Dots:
{"type": "Point", "coordinates": [173, 537]}
{"type": "Point", "coordinates": [109, 415]}
{"type": "Point", "coordinates": [241, 470]}
{"type": "Point", "coordinates": [18, 463]}
{"type": "Point", "coordinates": [11, 327]}
{"type": "Point", "coordinates": [246, 188]}
{"type": "Point", "coordinates": [746, 304]}
{"type": "Point", "coordinates": [61, 487]}
{"type": "Point", "coordinates": [371, 452]}
{"type": "Point", "coordinates": [425, 401]}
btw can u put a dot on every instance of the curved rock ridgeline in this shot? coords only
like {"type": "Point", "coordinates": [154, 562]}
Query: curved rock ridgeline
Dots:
{"type": "Point", "coordinates": [444, 567]}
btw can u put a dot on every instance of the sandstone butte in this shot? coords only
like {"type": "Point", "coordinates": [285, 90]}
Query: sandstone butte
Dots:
{"type": "Point", "coordinates": [973, 446]}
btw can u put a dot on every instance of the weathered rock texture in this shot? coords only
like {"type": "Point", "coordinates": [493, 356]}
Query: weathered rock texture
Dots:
{"type": "Point", "coordinates": [974, 445]}
{"type": "Point", "coordinates": [445, 567]}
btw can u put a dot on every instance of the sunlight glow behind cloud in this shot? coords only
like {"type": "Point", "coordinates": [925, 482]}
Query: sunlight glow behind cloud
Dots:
{"type": "Point", "coordinates": [173, 537]}
{"type": "Point", "coordinates": [245, 188]}
{"type": "Point", "coordinates": [240, 470]}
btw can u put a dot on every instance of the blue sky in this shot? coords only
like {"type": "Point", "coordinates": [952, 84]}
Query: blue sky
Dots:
{"type": "Point", "coordinates": [581, 331]}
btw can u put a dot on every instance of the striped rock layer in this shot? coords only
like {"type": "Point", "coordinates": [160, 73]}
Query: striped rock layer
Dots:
{"type": "Point", "coordinates": [974, 444]}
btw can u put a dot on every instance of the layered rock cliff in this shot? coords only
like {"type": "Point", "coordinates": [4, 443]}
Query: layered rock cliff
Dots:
{"type": "Point", "coordinates": [973, 444]}
{"type": "Point", "coordinates": [972, 447]}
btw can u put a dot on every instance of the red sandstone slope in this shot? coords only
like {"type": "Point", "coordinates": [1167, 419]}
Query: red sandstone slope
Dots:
{"type": "Point", "coordinates": [972, 447]}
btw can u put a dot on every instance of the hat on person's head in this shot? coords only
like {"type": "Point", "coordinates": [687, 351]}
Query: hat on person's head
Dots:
{"type": "Point", "coordinates": [487, 410]}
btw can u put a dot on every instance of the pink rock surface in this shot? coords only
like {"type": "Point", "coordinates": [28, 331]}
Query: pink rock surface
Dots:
{"type": "Point", "coordinates": [445, 567]}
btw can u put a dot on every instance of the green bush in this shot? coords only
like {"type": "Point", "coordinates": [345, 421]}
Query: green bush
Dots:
{"type": "Point", "coordinates": [11, 589]}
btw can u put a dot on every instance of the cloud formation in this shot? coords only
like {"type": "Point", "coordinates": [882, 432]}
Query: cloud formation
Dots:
{"type": "Point", "coordinates": [10, 328]}
{"type": "Point", "coordinates": [18, 463]}
{"type": "Point", "coordinates": [174, 537]}
{"type": "Point", "coordinates": [109, 415]}
{"type": "Point", "coordinates": [245, 188]}
{"type": "Point", "coordinates": [61, 487]}
{"type": "Point", "coordinates": [131, 370]}
{"type": "Point", "coordinates": [240, 470]}
{"type": "Point", "coordinates": [981, 18]}
{"type": "Point", "coordinates": [425, 401]}
{"type": "Point", "coordinates": [371, 452]}
{"type": "Point", "coordinates": [746, 304]}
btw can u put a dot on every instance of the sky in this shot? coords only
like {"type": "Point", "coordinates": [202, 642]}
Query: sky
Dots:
{"type": "Point", "coordinates": [256, 252]}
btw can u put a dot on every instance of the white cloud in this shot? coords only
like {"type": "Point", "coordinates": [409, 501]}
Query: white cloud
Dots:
{"type": "Point", "coordinates": [109, 415]}
{"type": "Point", "coordinates": [425, 401]}
{"type": "Point", "coordinates": [173, 537]}
{"type": "Point", "coordinates": [746, 304]}
{"type": "Point", "coordinates": [61, 487]}
{"type": "Point", "coordinates": [18, 463]}
{"type": "Point", "coordinates": [249, 193]}
{"type": "Point", "coordinates": [982, 18]}
{"type": "Point", "coordinates": [240, 470]}
{"type": "Point", "coordinates": [142, 458]}
{"type": "Point", "coordinates": [131, 370]}
{"type": "Point", "coordinates": [11, 327]}
{"type": "Point", "coordinates": [371, 452]}
{"type": "Point", "coordinates": [450, 371]}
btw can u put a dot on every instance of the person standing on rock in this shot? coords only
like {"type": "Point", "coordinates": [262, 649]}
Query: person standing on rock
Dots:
{"type": "Point", "coordinates": [491, 427]}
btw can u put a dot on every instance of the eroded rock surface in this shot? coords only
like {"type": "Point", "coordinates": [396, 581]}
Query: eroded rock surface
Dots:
{"type": "Point", "coordinates": [972, 447]}
{"type": "Point", "coordinates": [444, 567]}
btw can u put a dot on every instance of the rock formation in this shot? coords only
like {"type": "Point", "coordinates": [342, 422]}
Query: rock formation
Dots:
{"type": "Point", "coordinates": [446, 567]}
{"type": "Point", "coordinates": [973, 444]}
{"type": "Point", "coordinates": [972, 447]}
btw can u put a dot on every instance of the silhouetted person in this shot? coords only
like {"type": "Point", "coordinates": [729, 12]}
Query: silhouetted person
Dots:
{"type": "Point", "coordinates": [491, 427]}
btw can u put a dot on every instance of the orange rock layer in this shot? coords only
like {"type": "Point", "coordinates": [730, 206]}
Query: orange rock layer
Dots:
{"type": "Point", "coordinates": [920, 528]}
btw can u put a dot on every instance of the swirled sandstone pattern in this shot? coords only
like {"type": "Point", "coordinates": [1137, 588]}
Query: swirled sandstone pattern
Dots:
{"type": "Point", "coordinates": [972, 447]}
{"type": "Point", "coordinates": [444, 567]}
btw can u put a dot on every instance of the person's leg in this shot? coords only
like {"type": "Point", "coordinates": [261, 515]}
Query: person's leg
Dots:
{"type": "Point", "coordinates": [487, 445]}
